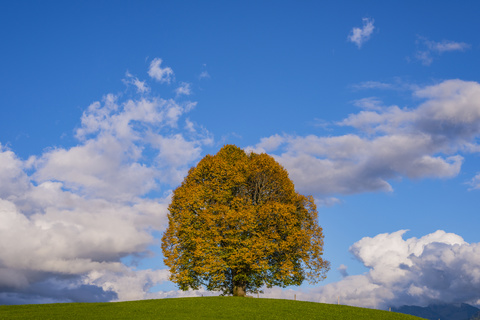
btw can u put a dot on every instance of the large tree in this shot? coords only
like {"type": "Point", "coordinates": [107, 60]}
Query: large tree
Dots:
{"type": "Point", "coordinates": [236, 223]}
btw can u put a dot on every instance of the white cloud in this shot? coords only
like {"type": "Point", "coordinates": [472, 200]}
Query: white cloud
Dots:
{"type": "Point", "coordinates": [360, 35]}
{"type": "Point", "coordinates": [67, 234]}
{"type": "Point", "coordinates": [391, 143]}
{"type": "Point", "coordinates": [184, 89]}
{"type": "Point", "coordinates": [175, 155]}
{"type": "Point", "coordinates": [204, 75]}
{"type": "Point", "coordinates": [14, 180]}
{"type": "Point", "coordinates": [475, 182]}
{"type": "Point", "coordinates": [425, 57]}
{"type": "Point", "coordinates": [94, 169]}
{"type": "Point", "coordinates": [190, 126]}
{"type": "Point", "coordinates": [141, 86]}
{"type": "Point", "coordinates": [431, 48]}
{"type": "Point", "coordinates": [446, 45]}
{"type": "Point", "coordinates": [163, 75]}
{"type": "Point", "coordinates": [121, 120]}
{"type": "Point", "coordinates": [129, 284]}
{"type": "Point", "coordinates": [268, 144]}
{"type": "Point", "coordinates": [370, 103]}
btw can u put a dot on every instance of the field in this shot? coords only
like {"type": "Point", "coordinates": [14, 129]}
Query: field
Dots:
{"type": "Point", "coordinates": [197, 308]}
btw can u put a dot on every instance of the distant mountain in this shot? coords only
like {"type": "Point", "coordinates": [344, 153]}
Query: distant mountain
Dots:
{"type": "Point", "coordinates": [443, 311]}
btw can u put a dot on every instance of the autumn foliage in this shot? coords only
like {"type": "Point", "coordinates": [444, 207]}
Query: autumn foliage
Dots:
{"type": "Point", "coordinates": [236, 223]}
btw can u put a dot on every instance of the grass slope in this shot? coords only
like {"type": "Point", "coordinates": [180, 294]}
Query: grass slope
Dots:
{"type": "Point", "coordinates": [198, 308]}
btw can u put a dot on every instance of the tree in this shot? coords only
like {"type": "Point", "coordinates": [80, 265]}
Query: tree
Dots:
{"type": "Point", "coordinates": [236, 223]}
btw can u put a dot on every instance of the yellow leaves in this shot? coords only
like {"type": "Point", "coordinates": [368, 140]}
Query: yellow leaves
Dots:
{"type": "Point", "coordinates": [237, 217]}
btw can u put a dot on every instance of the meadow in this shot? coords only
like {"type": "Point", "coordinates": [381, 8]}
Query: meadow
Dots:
{"type": "Point", "coordinates": [198, 308]}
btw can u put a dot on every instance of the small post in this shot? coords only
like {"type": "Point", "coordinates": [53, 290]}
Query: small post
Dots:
{"type": "Point", "coordinates": [338, 300]}
{"type": "Point", "coordinates": [258, 295]}
{"type": "Point", "coordinates": [295, 296]}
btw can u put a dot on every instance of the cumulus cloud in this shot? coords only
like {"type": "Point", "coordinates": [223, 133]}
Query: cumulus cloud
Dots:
{"type": "Point", "coordinates": [390, 143]}
{"type": "Point", "coordinates": [129, 284]}
{"type": "Point", "coordinates": [440, 266]}
{"type": "Point", "coordinates": [270, 143]}
{"type": "Point", "coordinates": [113, 137]}
{"type": "Point", "coordinates": [163, 75]}
{"type": "Point", "coordinates": [360, 35]}
{"type": "Point", "coordinates": [429, 49]}
{"type": "Point", "coordinates": [175, 154]}
{"type": "Point", "coordinates": [49, 234]}
{"type": "Point", "coordinates": [69, 215]}
{"type": "Point", "coordinates": [14, 180]}
{"type": "Point", "coordinates": [437, 267]}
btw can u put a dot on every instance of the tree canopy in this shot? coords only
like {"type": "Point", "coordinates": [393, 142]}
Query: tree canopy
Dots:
{"type": "Point", "coordinates": [236, 224]}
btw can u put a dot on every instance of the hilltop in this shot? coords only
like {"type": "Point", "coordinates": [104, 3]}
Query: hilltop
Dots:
{"type": "Point", "coordinates": [199, 308]}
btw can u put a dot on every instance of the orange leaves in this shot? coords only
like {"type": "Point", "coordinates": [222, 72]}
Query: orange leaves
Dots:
{"type": "Point", "coordinates": [236, 220]}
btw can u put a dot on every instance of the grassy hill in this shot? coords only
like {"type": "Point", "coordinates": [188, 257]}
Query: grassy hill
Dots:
{"type": "Point", "coordinates": [198, 308]}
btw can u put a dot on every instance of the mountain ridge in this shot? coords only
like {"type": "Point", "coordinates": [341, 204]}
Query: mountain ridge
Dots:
{"type": "Point", "coordinates": [442, 311]}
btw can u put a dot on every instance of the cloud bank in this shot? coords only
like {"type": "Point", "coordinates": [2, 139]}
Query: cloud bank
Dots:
{"type": "Point", "coordinates": [437, 267]}
{"type": "Point", "coordinates": [387, 143]}
{"type": "Point", "coordinates": [69, 215]}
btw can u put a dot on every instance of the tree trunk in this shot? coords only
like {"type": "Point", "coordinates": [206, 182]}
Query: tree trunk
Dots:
{"type": "Point", "coordinates": [239, 290]}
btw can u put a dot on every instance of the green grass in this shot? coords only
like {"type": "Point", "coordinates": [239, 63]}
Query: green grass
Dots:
{"type": "Point", "coordinates": [198, 308]}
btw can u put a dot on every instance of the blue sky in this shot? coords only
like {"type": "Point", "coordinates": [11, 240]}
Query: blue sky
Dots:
{"type": "Point", "coordinates": [373, 108]}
